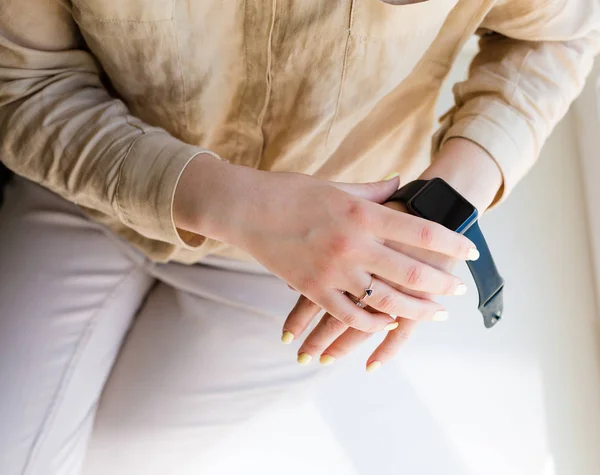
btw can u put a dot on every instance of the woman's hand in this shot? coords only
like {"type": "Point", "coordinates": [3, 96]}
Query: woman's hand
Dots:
{"type": "Point", "coordinates": [473, 172]}
{"type": "Point", "coordinates": [331, 339]}
{"type": "Point", "coordinates": [323, 238]}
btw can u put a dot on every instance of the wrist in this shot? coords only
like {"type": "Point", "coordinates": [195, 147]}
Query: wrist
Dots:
{"type": "Point", "coordinates": [469, 169]}
{"type": "Point", "coordinates": [206, 195]}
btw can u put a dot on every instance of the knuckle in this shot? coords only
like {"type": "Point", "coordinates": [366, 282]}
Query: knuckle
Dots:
{"type": "Point", "coordinates": [425, 312]}
{"type": "Point", "coordinates": [332, 325]}
{"type": "Point", "coordinates": [414, 275]}
{"type": "Point", "coordinates": [357, 214]}
{"type": "Point", "coordinates": [311, 306]}
{"type": "Point", "coordinates": [402, 336]}
{"type": "Point", "coordinates": [322, 275]}
{"type": "Point", "coordinates": [387, 304]}
{"type": "Point", "coordinates": [427, 296]}
{"type": "Point", "coordinates": [426, 235]}
{"type": "Point", "coordinates": [349, 319]}
{"type": "Point", "coordinates": [372, 186]}
{"type": "Point", "coordinates": [339, 246]}
{"type": "Point", "coordinates": [450, 285]}
{"type": "Point", "coordinates": [310, 284]}
{"type": "Point", "coordinates": [463, 247]}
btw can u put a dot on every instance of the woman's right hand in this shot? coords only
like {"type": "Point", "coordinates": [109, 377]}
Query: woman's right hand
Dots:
{"type": "Point", "coordinates": [322, 238]}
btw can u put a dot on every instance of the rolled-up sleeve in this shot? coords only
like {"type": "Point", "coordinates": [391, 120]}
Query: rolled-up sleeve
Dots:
{"type": "Point", "coordinates": [533, 60]}
{"type": "Point", "coordinates": [61, 128]}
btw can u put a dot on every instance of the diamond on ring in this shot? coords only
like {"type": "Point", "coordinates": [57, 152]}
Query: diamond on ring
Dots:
{"type": "Point", "coordinates": [354, 300]}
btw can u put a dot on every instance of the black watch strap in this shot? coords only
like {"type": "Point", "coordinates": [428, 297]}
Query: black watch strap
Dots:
{"type": "Point", "coordinates": [485, 274]}
{"type": "Point", "coordinates": [487, 278]}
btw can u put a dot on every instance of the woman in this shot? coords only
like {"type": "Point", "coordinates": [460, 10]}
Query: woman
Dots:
{"type": "Point", "coordinates": [125, 220]}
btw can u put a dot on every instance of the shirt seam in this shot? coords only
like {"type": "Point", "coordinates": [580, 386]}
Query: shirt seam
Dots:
{"type": "Point", "coordinates": [268, 77]}
{"type": "Point", "coordinates": [245, 87]}
{"type": "Point", "coordinates": [344, 67]}
{"type": "Point", "coordinates": [180, 64]}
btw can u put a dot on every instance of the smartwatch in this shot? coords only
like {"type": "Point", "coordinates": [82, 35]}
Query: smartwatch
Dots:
{"type": "Point", "coordinates": [435, 200]}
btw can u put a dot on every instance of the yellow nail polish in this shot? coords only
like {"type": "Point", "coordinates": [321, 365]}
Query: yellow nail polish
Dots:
{"type": "Point", "coordinates": [440, 316]}
{"type": "Point", "coordinates": [373, 366]}
{"type": "Point", "coordinates": [304, 358]}
{"type": "Point", "coordinates": [473, 254]}
{"type": "Point", "coordinates": [391, 326]}
{"type": "Point", "coordinates": [461, 289]}
{"type": "Point", "coordinates": [326, 360]}
{"type": "Point", "coordinates": [391, 175]}
{"type": "Point", "coordinates": [287, 337]}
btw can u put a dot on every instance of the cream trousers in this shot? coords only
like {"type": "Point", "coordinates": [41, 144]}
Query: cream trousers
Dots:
{"type": "Point", "coordinates": [113, 365]}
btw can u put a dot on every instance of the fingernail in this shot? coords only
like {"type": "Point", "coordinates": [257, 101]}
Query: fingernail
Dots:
{"type": "Point", "coordinates": [390, 176]}
{"type": "Point", "coordinates": [440, 316]}
{"type": "Point", "coordinates": [461, 289]}
{"type": "Point", "coordinates": [391, 326]}
{"type": "Point", "coordinates": [373, 366]}
{"type": "Point", "coordinates": [287, 337]}
{"type": "Point", "coordinates": [473, 254]}
{"type": "Point", "coordinates": [326, 360]}
{"type": "Point", "coordinates": [304, 358]}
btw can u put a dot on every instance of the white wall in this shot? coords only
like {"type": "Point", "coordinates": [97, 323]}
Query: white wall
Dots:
{"type": "Point", "coordinates": [521, 399]}
{"type": "Point", "coordinates": [587, 126]}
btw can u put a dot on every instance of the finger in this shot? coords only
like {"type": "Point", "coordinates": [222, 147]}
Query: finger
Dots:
{"type": "Point", "coordinates": [435, 259]}
{"type": "Point", "coordinates": [343, 345]}
{"type": "Point", "coordinates": [413, 274]}
{"type": "Point", "coordinates": [412, 293]}
{"type": "Point", "coordinates": [392, 301]}
{"type": "Point", "coordinates": [299, 319]}
{"type": "Point", "coordinates": [327, 330]}
{"type": "Point", "coordinates": [393, 225]}
{"type": "Point", "coordinates": [345, 310]}
{"type": "Point", "coordinates": [392, 344]}
{"type": "Point", "coordinates": [377, 192]}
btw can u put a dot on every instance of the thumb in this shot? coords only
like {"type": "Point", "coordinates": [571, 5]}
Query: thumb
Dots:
{"type": "Point", "coordinates": [377, 192]}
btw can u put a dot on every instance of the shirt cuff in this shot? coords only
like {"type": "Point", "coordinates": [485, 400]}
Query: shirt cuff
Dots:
{"type": "Point", "coordinates": [146, 187]}
{"type": "Point", "coordinates": [497, 128]}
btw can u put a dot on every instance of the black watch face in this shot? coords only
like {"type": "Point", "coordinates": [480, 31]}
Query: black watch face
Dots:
{"type": "Point", "coordinates": [441, 203]}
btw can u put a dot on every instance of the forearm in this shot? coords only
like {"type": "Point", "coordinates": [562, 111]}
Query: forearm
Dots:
{"type": "Point", "coordinates": [532, 62]}
{"type": "Point", "coordinates": [61, 128]}
{"type": "Point", "coordinates": [469, 169]}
